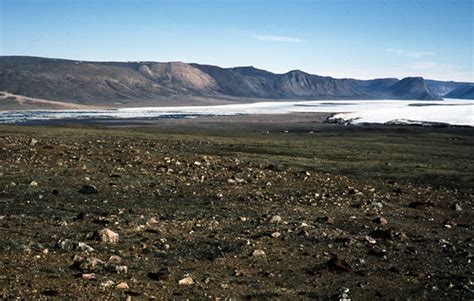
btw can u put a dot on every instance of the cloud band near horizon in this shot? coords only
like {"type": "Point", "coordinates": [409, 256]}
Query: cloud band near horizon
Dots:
{"type": "Point", "coordinates": [414, 54]}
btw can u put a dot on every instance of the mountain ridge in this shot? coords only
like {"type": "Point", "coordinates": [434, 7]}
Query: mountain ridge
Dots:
{"type": "Point", "coordinates": [111, 83]}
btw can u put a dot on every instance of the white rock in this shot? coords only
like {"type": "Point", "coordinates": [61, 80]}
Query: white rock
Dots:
{"type": "Point", "coordinates": [84, 247]}
{"type": "Point", "coordinates": [108, 236]}
{"type": "Point", "coordinates": [276, 219]}
{"type": "Point", "coordinates": [186, 281]}
{"type": "Point", "coordinates": [88, 276]}
{"type": "Point", "coordinates": [258, 253]}
{"type": "Point", "coordinates": [370, 240]}
{"type": "Point", "coordinates": [115, 259]}
{"type": "Point", "coordinates": [122, 285]}
{"type": "Point", "coordinates": [121, 269]}
{"type": "Point", "coordinates": [107, 284]}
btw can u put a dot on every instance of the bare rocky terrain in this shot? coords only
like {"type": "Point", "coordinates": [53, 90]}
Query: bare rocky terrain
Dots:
{"type": "Point", "coordinates": [133, 84]}
{"type": "Point", "coordinates": [268, 211]}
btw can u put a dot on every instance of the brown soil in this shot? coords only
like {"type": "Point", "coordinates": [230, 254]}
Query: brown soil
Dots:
{"type": "Point", "coordinates": [249, 216]}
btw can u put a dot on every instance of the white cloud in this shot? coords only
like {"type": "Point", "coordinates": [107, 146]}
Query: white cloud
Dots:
{"type": "Point", "coordinates": [271, 38]}
{"type": "Point", "coordinates": [415, 54]}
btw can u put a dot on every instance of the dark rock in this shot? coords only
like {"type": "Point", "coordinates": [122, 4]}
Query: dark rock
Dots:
{"type": "Point", "coordinates": [420, 205]}
{"type": "Point", "coordinates": [381, 221]}
{"type": "Point", "coordinates": [338, 265]}
{"type": "Point", "coordinates": [88, 189]}
{"type": "Point", "coordinates": [382, 234]}
{"type": "Point", "coordinates": [397, 190]}
{"type": "Point", "coordinates": [376, 251]}
{"type": "Point", "coordinates": [162, 275]}
{"type": "Point", "coordinates": [80, 216]}
{"type": "Point", "coordinates": [50, 293]}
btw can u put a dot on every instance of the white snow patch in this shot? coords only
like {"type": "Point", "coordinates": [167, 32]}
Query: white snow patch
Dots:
{"type": "Point", "coordinates": [451, 111]}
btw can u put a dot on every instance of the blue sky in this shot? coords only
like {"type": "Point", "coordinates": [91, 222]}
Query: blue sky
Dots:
{"type": "Point", "coordinates": [358, 38]}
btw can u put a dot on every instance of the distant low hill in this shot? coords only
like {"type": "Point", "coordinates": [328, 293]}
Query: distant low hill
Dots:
{"type": "Point", "coordinates": [140, 83]}
{"type": "Point", "coordinates": [444, 88]}
{"type": "Point", "coordinates": [466, 92]}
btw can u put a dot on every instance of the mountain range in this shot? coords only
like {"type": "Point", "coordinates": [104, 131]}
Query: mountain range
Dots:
{"type": "Point", "coordinates": [176, 83]}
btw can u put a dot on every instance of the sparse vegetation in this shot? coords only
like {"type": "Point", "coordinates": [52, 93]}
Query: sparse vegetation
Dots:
{"type": "Point", "coordinates": [167, 212]}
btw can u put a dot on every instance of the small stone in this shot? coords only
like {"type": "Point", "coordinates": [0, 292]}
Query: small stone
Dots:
{"type": "Point", "coordinates": [108, 236]}
{"type": "Point", "coordinates": [89, 263]}
{"type": "Point", "coordinates": [67, 245]}
{"type": "Point", "coordinates": [343, 295]}
{"type": "Point", "coordinates": [107, 284]}
{"type": "Point", "coordinates": [381, 221]}
{"type": "Point", "coordinates": [379, 252]}
{"type": "Point", "coordinates": [118, 269]}
{"type": "Point", "coordinates": [382, 234]}
{"type": "Point", "coordinates": [197, 163]}
{"type": "Point", "coordinates": [162, 274]}
{"type": "Point", "coordinates": [397, 189]}
{"type": "Point", "coordinates": [33, 142]}
{"type": "Point", "coordinates": [276, 234]}
{"type": "Point", "coordinates": [122, 286]}
{"type": "Point", "coordinates": [376, 205]}
{"type": "Point", "coordinates": [115, 259]}
{"type": "Point", "coordinates": [329, 220]}
{"type": "Point", "coordinates": [88, 276]}
{"type": "Point", "coordinates": [258, 253]}
{"type": "Point", "coordinates": [33, 184]}
{"type": "Point", "coordinates": [121, 269]}
{"type": "Point", "coordinates": [338, 265]}
{"type": "Point", "coordinates": [457, 207]}
{"type": "Point", "coordinates": [88, 189]}
{"type": "Point", "coordinates": [186, 281]}
{"type": "Point", "coordinates": [231, 181]}
{"type": "Point", "coordinates": [84, 247]}
{"type": "Point", "coordinates": [276, 219]}
{"type": "Point", "coordinates": [370, 240]}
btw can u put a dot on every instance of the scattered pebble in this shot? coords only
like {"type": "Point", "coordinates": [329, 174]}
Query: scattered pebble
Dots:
{"type": "Point", "coordinates": [276, 234]}
{"type": "Point", "coordinates": [381, 221]}
{"type": "Point", "coordinates": [88, 276]}
{"type": "Point", "coordinates": [186, 281]}
{"type": "Point", "coordinates": [276, 219]}
{"type": "Point", "coordinates": [107, 284]}
{"type": "Point", "coordinates": [108, 236]}
{"type": "Point", "coordinates": [88, 189]}
{"type": "Point", "coordinates": [122, 285]}
{"type": "Point", "coordinates": [258, 253]}
{"type": "Point", "coordinates": [457, 207]}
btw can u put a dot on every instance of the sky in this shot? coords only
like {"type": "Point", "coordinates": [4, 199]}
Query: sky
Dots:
{"type": "Point", "coordinates": [340, 38]}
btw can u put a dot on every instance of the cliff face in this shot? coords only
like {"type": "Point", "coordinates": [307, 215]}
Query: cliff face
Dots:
{"type": "Point", "coordinates": [106, 82]}
{"type": "Point", "coordinates": [464, 92]}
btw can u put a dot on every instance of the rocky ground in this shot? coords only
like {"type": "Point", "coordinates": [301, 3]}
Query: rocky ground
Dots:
{"type": "Point", "coordinates": [98, 214]}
